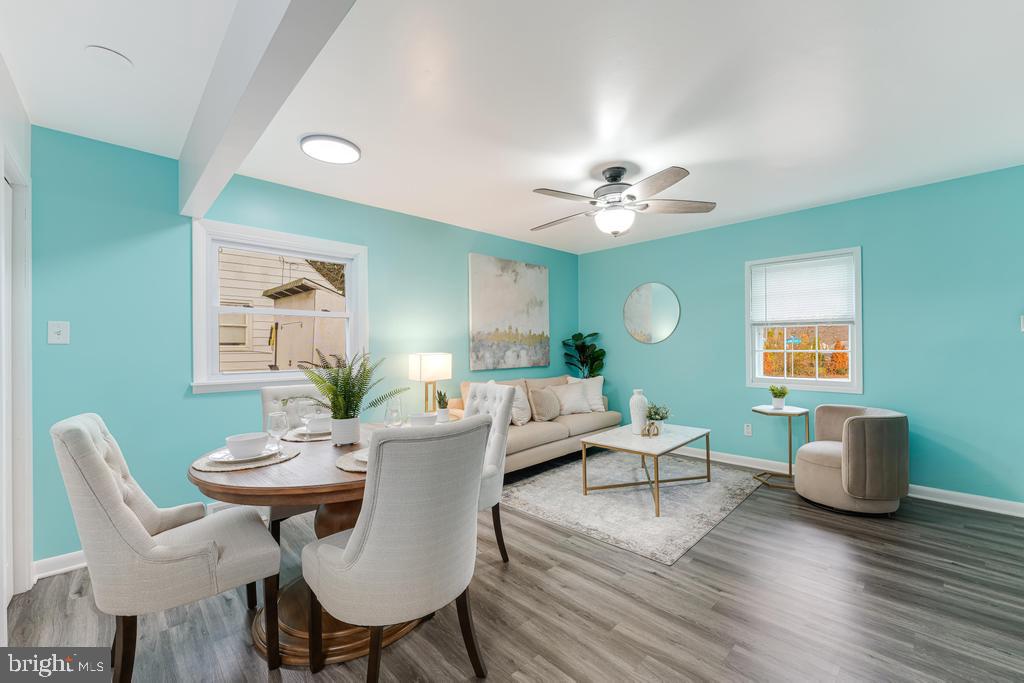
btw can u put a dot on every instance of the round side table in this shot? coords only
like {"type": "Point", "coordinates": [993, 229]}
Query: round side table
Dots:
{"type": "Point", "coordinates": [788, 412]}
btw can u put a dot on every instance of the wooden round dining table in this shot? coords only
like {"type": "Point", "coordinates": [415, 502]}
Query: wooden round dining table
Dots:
{"type": "Point", "coordinates": [310, 479]}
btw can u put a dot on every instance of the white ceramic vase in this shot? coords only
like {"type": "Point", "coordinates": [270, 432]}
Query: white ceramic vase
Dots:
{"type": "Point", "coordinates": [344, 432]}
{"type": "Point", "coordinates": [638, 411]}
{"type": "Point", "coordinates": [442, 414]}
{"type": "Point", "coordinates": [778, 403]}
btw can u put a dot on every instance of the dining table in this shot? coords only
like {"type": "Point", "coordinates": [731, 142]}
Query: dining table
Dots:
{"type": "Point", "coordinates": [310, 479]}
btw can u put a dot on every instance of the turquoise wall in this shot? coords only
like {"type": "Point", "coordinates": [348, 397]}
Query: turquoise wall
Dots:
{"type": "Point", "coordinates": [943, 293]}
{"type": "Point", "coordinates": [112, 256]}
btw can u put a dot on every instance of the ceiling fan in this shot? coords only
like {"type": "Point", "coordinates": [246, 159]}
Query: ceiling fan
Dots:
{"type": "Point", "coordinates": [616, 203]}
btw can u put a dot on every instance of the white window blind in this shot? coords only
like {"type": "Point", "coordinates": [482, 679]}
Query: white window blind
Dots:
{"type": "Point", "coordinates": [817, 289]}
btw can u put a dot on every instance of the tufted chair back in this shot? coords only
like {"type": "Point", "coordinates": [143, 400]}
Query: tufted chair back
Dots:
{"type": "Point", "coordinates": [495, 400]}
{"type": "Point", "coordinates": [114, 517]}
{"type": "Point", "coordinates": [272, 398]}
{"type": "Point", "coordinates": [413, 548]}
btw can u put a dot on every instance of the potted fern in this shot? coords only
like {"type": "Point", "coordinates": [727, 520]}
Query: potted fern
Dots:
{"type": "Point", "coordinates": [778, 396]}
{"type": "Point", "coordinates": [344, 384]}
{"type": "Point", "coordinates": [442, 406]}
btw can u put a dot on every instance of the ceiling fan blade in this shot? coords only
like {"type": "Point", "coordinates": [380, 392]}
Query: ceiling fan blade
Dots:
{"type": "Point", "coordinates": [562, 220]}
{"type": "Point", "coordinates": [558, 194]}
{"type": "Point", "coordinates": [674, 206]}
{"type": "Point", "coordinates": [660, 181]}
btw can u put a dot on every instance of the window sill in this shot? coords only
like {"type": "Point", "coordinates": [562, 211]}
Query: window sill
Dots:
{"type": "Point", "coordinates": [244, 383]}
{"type": "Point", "coordinates": [823, 387]}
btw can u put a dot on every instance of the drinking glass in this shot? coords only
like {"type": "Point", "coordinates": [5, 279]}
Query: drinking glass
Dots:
{"type": "Point", "coordinates": [277, 425]}
{"type": "Point", "coordinates": [305, 411]}
{"type": "Point", "coordinates": [393, 413]}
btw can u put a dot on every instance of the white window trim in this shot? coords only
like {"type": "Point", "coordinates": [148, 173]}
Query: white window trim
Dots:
{"type": "Point", "coordinates": [205, 235]}
{"type": "Point", "coordinates": [856, 383]}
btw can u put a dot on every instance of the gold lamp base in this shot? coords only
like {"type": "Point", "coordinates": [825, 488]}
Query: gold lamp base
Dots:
{"type": "Point", "coordinates": [429, 397]}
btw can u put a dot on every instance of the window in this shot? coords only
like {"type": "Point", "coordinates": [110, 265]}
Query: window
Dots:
{"type": "Point", "coordinates": [803, 321]}
{"type": "Point", "coordinates": [264, 301]}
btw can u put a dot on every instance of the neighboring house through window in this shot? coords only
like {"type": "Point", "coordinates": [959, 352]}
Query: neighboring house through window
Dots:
{"type": "Point", "coordinates": [264, 301]}
{"type": "Point", "coordinates": [804, 321]}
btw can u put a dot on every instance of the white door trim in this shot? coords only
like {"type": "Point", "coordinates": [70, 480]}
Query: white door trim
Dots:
{"type": "Point", "coordinates": [21, 375]}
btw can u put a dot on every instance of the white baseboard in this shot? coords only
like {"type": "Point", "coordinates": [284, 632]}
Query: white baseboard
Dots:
{"type": "Point", "coordinates": [964, 500]}
{"type": "Point", "coordinates": [968, 500]}
{"type": "Point", "coordinates": [51, 566]}
{"type": "Point", "coordinates": [759, 464]}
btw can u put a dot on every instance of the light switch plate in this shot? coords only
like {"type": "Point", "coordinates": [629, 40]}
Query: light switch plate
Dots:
{"type": "Point", "coordinates": [58, 332]}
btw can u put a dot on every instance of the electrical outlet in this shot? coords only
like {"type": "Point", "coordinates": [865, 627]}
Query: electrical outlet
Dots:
{"type": "Point", "coordinates": [748, 430]}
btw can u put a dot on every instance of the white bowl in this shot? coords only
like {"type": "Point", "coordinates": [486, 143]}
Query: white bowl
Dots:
{"type": "Point", "coordinates": [247, 445]}
{"type": "Point", "coordinates": [319, 425]}
{"type": "Point", "coordinates": [422, 419]}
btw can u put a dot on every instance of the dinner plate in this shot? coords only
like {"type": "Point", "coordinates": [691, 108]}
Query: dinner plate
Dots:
{"type": "Point", "coordinates": [362, 455]}
{"type": "Point", "coordinates": [224, 455]}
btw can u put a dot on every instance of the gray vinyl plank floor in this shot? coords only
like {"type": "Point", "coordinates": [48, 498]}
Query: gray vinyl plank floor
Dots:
{"type": "Point", "coordinates": [779, 591]}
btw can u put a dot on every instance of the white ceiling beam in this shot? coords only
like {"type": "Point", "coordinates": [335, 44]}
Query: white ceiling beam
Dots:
{"type": "Point", "coordinates": [268, 47]}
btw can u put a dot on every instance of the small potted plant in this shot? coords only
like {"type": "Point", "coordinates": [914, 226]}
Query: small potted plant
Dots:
{"type": "Point", "coordinates": [442, 406]}
{"type": "Point", "coordinates": [778, 396]}
{"type": "Point", "coordinates": [656, 416]}
{"type": "Point", "coordinates": [345, 383]}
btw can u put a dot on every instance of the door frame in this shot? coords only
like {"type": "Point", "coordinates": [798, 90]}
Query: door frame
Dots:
{"type": "Point", "coordinates": [21, 370]}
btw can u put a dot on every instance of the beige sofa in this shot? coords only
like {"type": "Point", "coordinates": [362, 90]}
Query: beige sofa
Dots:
{"type": "Point", "coordinates": [535, 441]}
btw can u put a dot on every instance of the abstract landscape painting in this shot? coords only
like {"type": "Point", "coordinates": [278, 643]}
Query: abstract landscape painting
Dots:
{"type": "Point", "coordinates": [508, 314]}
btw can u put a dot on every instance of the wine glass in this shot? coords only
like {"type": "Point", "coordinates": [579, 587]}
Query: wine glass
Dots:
{"type": "Point", "coordinates": [277, 426]}
{"type": "Point", "coordinates": [393, 413]}
{"type": "Point", "coordinates": [305, 411]}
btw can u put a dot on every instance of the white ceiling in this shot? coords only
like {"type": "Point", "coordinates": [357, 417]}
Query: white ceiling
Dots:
{"type": "Point", "coordinates": [148, 107]}
{"type": "Point", "coordinates": [461, 108]}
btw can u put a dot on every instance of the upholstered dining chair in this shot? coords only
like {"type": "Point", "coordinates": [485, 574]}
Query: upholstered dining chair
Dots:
{"type": "Point", "coordinates": [413, 548]}
{"type": "Point", "coordinates": [495, 400]}
{"type": "Point", "coordinates": [858, 462]}
{"type": "Point", "coordinates": [283, 399]}
{"type": "Point", "coordinates": [144, 559]}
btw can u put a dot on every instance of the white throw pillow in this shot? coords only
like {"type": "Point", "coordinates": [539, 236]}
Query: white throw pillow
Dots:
{"type": "Point", "coordinates": [572, 398]}
{"type": "Point", "coordinates": [521, 412]}
{"type": "Point", "coordinates": [594, 388]}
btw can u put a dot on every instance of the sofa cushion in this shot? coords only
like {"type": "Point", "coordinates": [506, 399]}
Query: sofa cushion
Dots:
{"type": "Point", "coordinates": [588, 422]}
{"type": "Point", "coordinates": [537, 383]}
{"type": "Point", "coordinates": [521, 410]}
{"type": "Point", "coordinates": [546, 404]}
{"type": "Point", "coordinates": [594, 387]}
{"type": "Point", "coordinates": [534, 434]}
{"type": "Point", "coordinates": [572, 399]}
{"type": "Point", "coordinates": [822, 453]}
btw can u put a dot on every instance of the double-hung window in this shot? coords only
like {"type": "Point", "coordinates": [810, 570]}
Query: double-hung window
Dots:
{"type": "Point", "coordinates": [804, 321]}
{"type": "Point", "coordinates": [264, 302]}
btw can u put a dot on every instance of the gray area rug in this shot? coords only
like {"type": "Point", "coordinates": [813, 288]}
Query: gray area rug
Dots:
{"type": "Point", "coordinates": [625, 517]}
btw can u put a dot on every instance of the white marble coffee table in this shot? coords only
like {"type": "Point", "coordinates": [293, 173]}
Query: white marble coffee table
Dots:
{"type": "Point", "coordinates": [623, 440]}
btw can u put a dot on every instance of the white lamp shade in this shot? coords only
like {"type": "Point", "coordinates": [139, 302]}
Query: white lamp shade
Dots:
{"type": "Point", "coordinates": [430, 367]}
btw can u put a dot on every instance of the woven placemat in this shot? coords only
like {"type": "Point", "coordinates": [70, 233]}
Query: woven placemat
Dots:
{"type": "Point", "coordinates": [349, 463]}
{"type": "Point", "coordinates": [296, 436]}
{"type": "Point", "coordinates": [204, 464]}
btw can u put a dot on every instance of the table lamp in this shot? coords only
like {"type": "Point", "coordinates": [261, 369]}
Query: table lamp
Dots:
{"type": "Point", "coordinates": [429, 368]}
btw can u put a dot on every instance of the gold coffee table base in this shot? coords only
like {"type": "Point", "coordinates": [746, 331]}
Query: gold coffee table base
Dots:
{"type": "Point", "coordinates": [655, 483]}
{"type": "Point", "coordinates": [766, 479]}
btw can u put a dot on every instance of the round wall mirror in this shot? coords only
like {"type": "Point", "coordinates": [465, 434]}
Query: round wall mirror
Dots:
{"type": "Point", "coordinates": [651, 313]}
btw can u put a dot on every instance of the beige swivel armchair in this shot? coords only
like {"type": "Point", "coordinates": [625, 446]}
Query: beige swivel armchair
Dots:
{"type": "Point", "coordinates": [859, 461]}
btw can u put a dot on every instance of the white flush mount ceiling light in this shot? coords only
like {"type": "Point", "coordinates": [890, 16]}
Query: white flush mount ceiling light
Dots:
{"type": "Point", "coordinates": [330, 149]}
{"type": "Point", "coordinates": [109, 56]}
{"type": "Point", "coordinates": [614, 221]}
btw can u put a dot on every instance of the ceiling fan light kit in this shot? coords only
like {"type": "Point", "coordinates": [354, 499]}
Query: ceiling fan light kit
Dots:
{"type": "Point", "coordinates": [614, 221]}
{"type": "Point", "coordinates": [616, 203]}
